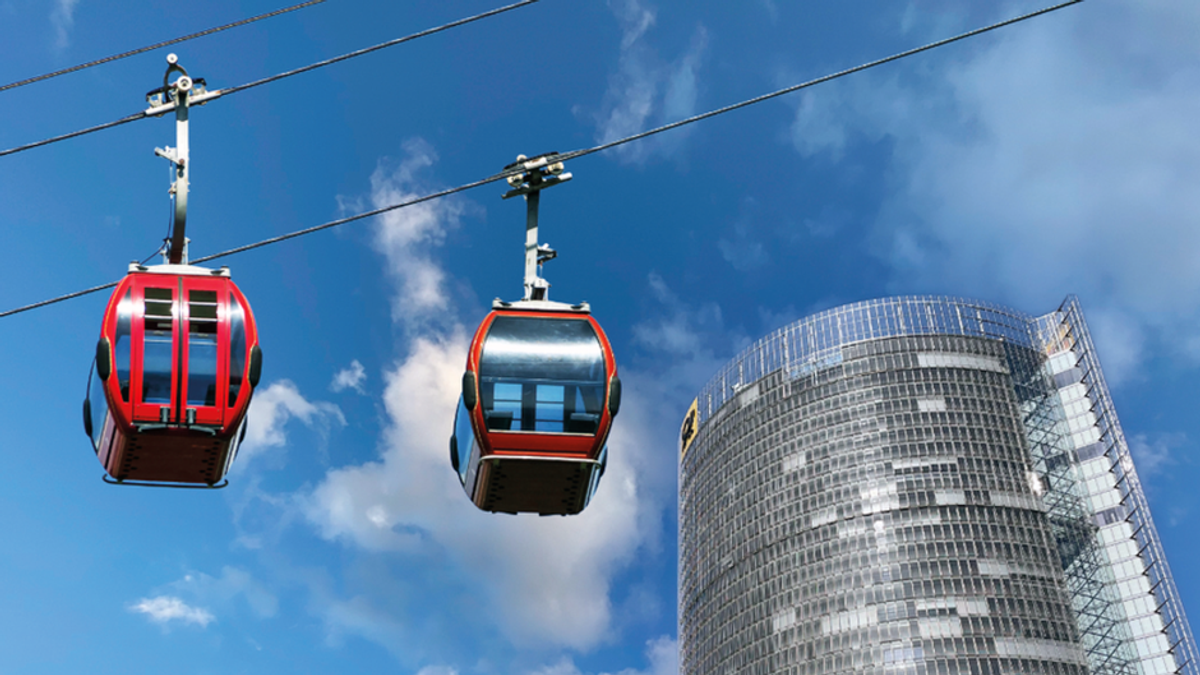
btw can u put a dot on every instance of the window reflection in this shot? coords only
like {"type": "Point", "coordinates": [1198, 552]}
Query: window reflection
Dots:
{"type": "Point", "coordinates": [97, 406]}
{"type": "Point", "coordinates": [464, 439]}
{"type": "Point", "coordinates": [543, 375]}
{"type": "Point", "coordinates": [202, 348]}
{"type": "Point", "coordinates": [122, 348]}
{"type": "Point", "coordinates": [157, 350]}
{"type": "Point", "coordinates": [237, 348]}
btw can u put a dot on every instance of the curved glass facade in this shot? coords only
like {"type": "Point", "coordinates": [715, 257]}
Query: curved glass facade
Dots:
{"type": "Point", "coordinates": [894, 487]}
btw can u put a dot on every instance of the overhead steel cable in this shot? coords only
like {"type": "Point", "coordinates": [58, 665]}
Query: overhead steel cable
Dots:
{"type": "Point", "coordinates": [804, 85]}
{"type": "Point", "coordinates": [563, 157]}
{"type": "Point", "coordinates": [217, 93]}
{"type": "Point", "coordinates": [142, 50]}
{"type": "Point", "coordinates": [390, 43]}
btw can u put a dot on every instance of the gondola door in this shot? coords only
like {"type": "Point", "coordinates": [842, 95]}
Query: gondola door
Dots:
{"type": "Point", "coordinates": [156, 366]}
{"type": "Point", "coordinates": [178, 338]}
{"type": "Point", "coordinates": [205, 338]}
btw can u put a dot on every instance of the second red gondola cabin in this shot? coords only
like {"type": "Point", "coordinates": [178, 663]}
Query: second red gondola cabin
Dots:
{"type": "Point", "coordinates": [539, 397]}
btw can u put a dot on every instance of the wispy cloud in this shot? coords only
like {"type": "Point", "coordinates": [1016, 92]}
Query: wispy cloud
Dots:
{"type": "Point", "coordinates": [232, 584]}
{"type": "Point", "coordinates": [183, 599]}
{"type": "Point", "coordinates": [543, 581]}
{"type": "Point", "coordinates": [407, 236]}
{"type": "Point", "coordinates": [350, 377]}
{"type": "Point", "coordinates": [1046, 161]}
{"type": "Point", "coordinates": [548, 578]}
{"type": "Point", "coordinates": [271, 409]}
{"type": "Point", "coordinates": [682, 332]}
{"type": "Point", "coordinates": [164, 609]}
{"type": "Point", "coordinates": [646, 90]}
{"type": "Point", "coordinates": [743, 249]}
{"type": "Point", "coordinates": [1153, 454]}
{"type": "Point", "coordinates": [62, 17]}
{"type": "Point", "coordinates": [661, 653]}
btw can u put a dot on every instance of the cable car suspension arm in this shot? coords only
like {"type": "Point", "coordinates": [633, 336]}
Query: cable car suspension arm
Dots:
{"type": "Point", "coordinates": [538, 174]}
{"type": "Point", "coordinates": [181, 94]}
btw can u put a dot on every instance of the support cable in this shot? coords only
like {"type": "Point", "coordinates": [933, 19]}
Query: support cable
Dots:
{"type": "Point", "coordinates": [142, 50]}
{"type": "Point", "coordinates": [159, 110]}
{"type": "Point", "coordinates": [820, 80]}
{"type": "Point", "coordinates": [562, 157]}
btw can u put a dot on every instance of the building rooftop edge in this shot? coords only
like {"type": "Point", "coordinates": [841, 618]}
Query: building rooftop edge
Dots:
{"type": "Point", "coordinates": [814, 337]}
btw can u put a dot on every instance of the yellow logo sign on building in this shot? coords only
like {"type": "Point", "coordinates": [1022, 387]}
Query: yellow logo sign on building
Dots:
{"type": "Point", "coordinates": [687, 432]}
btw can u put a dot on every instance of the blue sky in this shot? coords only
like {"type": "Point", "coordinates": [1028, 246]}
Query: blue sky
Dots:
{"type": "Point", "coordinates": [1059, 156]}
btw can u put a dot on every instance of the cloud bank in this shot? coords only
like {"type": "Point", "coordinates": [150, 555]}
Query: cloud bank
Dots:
{"type": "Point", "coordinates": [1057, 157]}
{"type": "Point", "coordinates": [271, 409]}
{"type": "Point", "coordinates": [645, 91]}
{"type": "Point", "coordinates": [537, 581]}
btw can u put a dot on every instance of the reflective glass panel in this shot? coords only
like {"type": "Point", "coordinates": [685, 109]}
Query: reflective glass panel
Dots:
{"type": "Point", "coordinates": [541, 374]}
{"type": "Point", "coordinates": [98, 407]}
{"type": "Point", "coordinates": [464, 439]}
{"type": "Point", "coordinates": [202, 348]}
{"type": "Point", "coordinates": [237, 348]}
{"type": "Point", "coordinates": [157, 353]}
{"type": "Point", "coordinates": [121, 350]}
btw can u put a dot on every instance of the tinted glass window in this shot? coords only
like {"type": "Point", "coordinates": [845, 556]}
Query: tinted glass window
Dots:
{"type": "Point", "coordinates": [98, 407]}
{"type": "Point", "coordinates": [540, 374]}
{"type": "Point", "coordinates": [237, 348]}
{"type": "Point", "coordinates": [157, 354]}
{"type": "Point", "coordinates": [464, 439]}
{"type": "Point", "coordinates": [202, 348]}
{"type": "Point", "coordinates": [122, 348]}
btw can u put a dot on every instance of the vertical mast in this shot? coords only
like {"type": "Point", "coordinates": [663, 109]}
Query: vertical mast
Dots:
{"type": "Point", "coordinates": [179, 93]}
{"type": "Point", "coordinates": [537, 174]}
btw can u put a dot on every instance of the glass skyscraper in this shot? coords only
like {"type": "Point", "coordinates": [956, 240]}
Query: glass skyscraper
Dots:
{"type": "Point", "coordinates": [920, 486]}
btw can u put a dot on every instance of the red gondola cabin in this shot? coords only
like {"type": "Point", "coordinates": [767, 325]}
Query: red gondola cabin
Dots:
{"type": "Point", "coordinates": [176, 364]}
{"type": "Point", "coordinates": [539, 397]}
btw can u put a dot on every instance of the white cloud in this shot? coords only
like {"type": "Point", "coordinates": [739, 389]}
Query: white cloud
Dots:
{"type": "Point", "coordinates": [1152, 455]}
{"type": "Point", "coordinates": [1059, 156]}
{"type": "Point", "coordinates": [685, 333]}
{"type": "Point", "coordinates": [270, 410]}
{"type": "Point", "coordinates": [547, 579]}
{"type": "Point", "coordinates": [645, 90]}
{"type": "Point", "coordinates": [187, 600]}
{"type": "Point", "coordinates": [62, 17]}
{"type": "Point", "coordinates": [437, 670]}
{"type": "Point", "coordinates": [662, 654]}
{"type": "Point", "coordinates": [351, 377]}
{"type": "Point", "coordinates": [543, 581]}
{"type": "Point", "coordinates": [223, 590]}
{"type": "Point", "coordinates": [406, 236]}
{"type": "Point", "coordinates": [163, 609]}
{"type": "Point", "coordinates": [359, 616]}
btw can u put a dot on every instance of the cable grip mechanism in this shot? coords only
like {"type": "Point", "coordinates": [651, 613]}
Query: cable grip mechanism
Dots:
{"type": "Point", "coordinates": [177, 96]}
{"type": "Point", "coordinates": [535, 175]}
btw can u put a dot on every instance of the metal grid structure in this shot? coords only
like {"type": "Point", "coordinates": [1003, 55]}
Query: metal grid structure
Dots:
{"type": "Point", "coordinates": [1103, 631]}
{"type": "Point", "coordinates": [815, 342]}
{"type": "Point", "coordinates": [1162, 636]}
{"type": "Point", "coordinates": [751, 408]}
